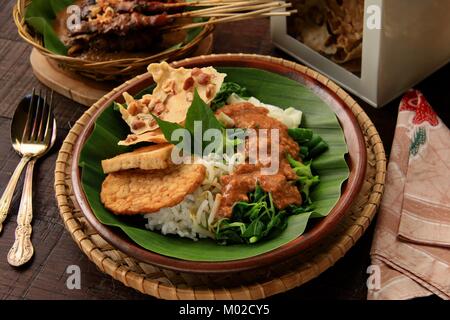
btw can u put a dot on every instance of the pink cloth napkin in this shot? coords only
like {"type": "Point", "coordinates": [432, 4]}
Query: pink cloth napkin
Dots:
{"type": "Point", "coordinates": [411, 246]}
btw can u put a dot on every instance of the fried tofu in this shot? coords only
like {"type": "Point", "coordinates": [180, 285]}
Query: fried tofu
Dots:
{"type": "Point", "coordinates": [145, 158]}
{"type": "Point", "coordinates": [136, 191]}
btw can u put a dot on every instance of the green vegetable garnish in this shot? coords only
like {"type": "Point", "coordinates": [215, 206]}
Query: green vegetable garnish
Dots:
{"type": "Point", "coordinates": [252, 221]}
{"type": "Point", "coordinates": [197, 112]}
{"type": "Point", "coordinates": [301, 135]}
{"type": "Point", "coordinates": [311, 145]}
{"type": "Point", "coordinates": [318, 149]}
{"type": "Point", "coordinates": [225, 92]}
{"type": "Point", "coordinates": [305, 177]}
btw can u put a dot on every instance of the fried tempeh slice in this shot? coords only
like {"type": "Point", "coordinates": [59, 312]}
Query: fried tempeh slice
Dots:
{"type": "Point", "coordinates": [146, 158]}
{"type": "Point", "coordinates": [136, 192]}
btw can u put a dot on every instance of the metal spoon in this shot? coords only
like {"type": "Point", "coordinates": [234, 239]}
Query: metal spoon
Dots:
{"type": "Point", "coordinates": [36, 140]}
{"type": "Point", "coordinates": [33, 133]}
{"type": "Point", "coordinates": [17, 128]}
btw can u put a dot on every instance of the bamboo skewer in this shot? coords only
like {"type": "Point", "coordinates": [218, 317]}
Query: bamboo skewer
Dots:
{"type": "Point", "coordinates": [228, 15]}
{"type": "Point", "coordinates": [238, 6]}
{"type": "Point", "coordinates": [205, 5]}
{"type": "Point", "coordinates": [220, 8]}
{"type": "Point", "coordinates": [243, 7]}
{"type": "Point", "coordinates": [208, 3]}
{"type": "Point", "coordinates": [268, 14]}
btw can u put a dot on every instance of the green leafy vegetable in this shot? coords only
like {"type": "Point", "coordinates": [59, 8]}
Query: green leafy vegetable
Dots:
{"type": "Point", "coordinates": [256, 219]}
{"type": "Point", "coordinates": [316, 146]}
{"type": "Point", "coordinates": [311, 145]}
{"type": "Point", "coordinates": [318, 149]}
{"type": "Point", "coordinates": [315, 140]}
{"type": "Point", "coordinates": [304, 151]}
{"type": "Point", "coordinates": [168, 128]}
{"type": "Point", "coordinates": [225, 92]}
{"type": "Point", "coordinates": [40, 15]}
{"type": "Point", "coordinates": [301, 135]}
{"type": "Point", "coordinates": [199, 113]}
{"type": "Point", "coordinates": [252, 221]}
{"type": "Point", "coordinates": [305, 177]}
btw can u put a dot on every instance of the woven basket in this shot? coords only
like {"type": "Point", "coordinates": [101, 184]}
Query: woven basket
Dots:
{"type": "Point", "coordinates": [256, 284]}
{"type": "Point", "coordinates": [118, 69]}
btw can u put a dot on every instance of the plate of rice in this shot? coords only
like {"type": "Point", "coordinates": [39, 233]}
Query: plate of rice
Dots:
{"type": "Point", "coordinates": [216, 164]}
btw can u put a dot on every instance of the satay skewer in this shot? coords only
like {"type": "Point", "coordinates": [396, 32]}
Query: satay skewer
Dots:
{"type": "Point", "coordinates": [158, 6]}
{"type": "Point", "coordinates": [261, 13]}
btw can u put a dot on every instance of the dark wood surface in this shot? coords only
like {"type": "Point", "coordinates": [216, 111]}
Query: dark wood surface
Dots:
{"type": "Point", "coordinates": [45, 276]}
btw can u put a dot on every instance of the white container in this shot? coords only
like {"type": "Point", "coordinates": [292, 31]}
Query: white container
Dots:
{"type": "Point", "coordinates": [412, 43]}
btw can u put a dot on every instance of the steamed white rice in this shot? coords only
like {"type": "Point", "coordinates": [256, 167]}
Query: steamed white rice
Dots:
{"type": "Point", "coordinates": [195, 216]}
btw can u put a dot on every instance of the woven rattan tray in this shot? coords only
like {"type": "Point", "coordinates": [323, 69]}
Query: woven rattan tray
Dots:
{"type": "Point", "coordinates": [257, 284]}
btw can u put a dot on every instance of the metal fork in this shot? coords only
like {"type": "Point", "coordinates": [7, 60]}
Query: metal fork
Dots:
{"type": "Point", "coordinates": [37, 138]}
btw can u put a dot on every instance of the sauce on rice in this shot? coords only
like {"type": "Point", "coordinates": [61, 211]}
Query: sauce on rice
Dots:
{"type": "Point", "coordinates": [243, 180]}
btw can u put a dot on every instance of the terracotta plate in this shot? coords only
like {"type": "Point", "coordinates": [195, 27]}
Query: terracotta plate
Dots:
{"type": "Point", "coordinates": [356, 160]}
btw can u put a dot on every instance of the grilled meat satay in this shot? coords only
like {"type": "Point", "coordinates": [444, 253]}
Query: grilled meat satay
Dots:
{"type": "Point", "coordinates": [91, 8]}
{"type": "Point", "coordinates": [145, 6]}
{"type": "Point", "coordinates": [112, 43]}
{"type": "Point", "coordinates": [117, 25]}
{"type": "Point", "coordinates": [120, 24]}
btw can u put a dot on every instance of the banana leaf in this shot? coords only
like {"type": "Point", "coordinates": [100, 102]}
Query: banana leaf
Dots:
{"type": "Point", "coordinates": [267, 87]}
{"type": "Point", "coordinates": [40, 15]}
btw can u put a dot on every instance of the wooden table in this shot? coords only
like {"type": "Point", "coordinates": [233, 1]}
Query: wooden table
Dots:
{"type": "Point", "coordinates": [45, 277]}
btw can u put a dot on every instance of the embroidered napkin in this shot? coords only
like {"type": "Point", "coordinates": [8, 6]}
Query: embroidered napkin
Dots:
{"type": "Point", "coordinates": [411, 245]}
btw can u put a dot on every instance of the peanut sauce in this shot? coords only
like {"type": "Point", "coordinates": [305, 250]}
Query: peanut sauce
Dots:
{"type": "Point", "coordinates": [246, 176]}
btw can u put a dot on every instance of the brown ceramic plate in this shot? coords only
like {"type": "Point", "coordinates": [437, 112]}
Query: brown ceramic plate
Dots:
{"type": "Point", "coordinates": [356, 161]}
